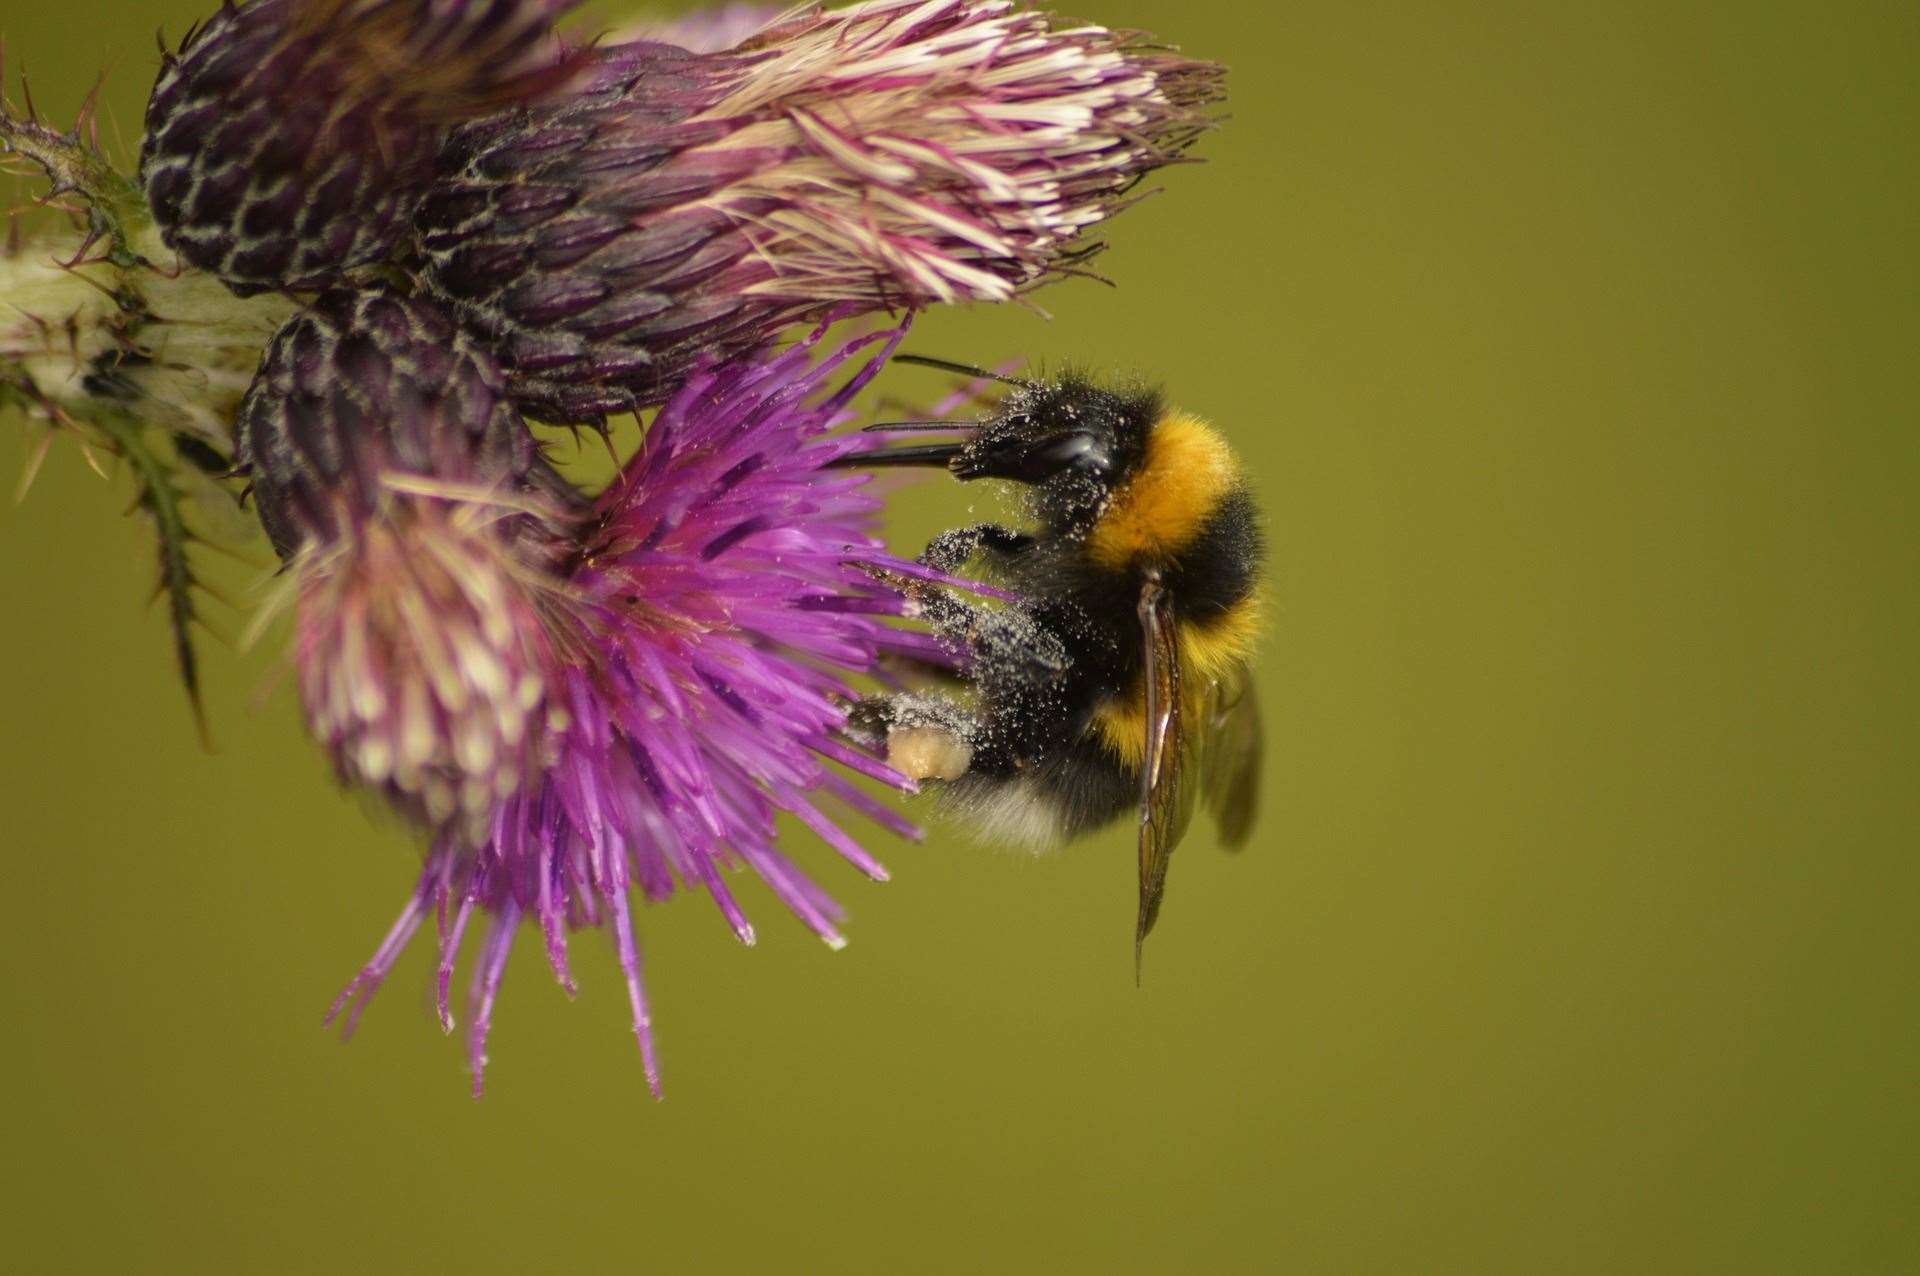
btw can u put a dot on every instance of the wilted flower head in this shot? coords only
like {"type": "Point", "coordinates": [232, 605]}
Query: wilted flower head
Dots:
{"type": "Point", "coordinates": [719, 591]}
{"type": "Point", "coordinates": [423, 531]}
{"type": "Point", "coordinates": [290, 139]}
{"type": "Point", "coordinates": [892, 154]}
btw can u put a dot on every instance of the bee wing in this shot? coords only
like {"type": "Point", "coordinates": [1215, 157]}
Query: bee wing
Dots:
{"type": "Point", "coordinates": [1233, 741]}
{"type": "Point", "coordinates": [1165, 808]}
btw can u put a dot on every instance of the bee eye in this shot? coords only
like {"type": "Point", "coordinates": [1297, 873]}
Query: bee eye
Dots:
{"type": "Point", "coordinates": [1056, 454]}
{"type": "Point", "coordinates": [1010, 456]}
{"type": "Point", "coordinates": [1073, 451]}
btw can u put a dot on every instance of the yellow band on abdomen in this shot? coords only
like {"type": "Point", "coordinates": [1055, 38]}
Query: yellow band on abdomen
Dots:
{"type": "Point", "coordinates": [1207, 652]}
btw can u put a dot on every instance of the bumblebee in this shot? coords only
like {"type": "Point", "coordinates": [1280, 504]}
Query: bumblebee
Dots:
{"type": "Point", "coordinates": [1116, 678]}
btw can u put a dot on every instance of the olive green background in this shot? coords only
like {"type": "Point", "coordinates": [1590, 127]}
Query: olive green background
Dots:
{"type": "Point", "coordinates": [1573, 348]}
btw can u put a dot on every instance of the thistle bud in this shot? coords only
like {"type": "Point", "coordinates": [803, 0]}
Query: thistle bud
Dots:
{"type": "Point", "coordinates": [421, 527]}
{"type": "Point", "coordinates": [288, 140]}
{"type": "Point", "coordinates": [889, 155]}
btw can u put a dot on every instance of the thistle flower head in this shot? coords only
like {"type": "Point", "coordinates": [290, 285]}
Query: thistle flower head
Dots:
{"type": "Point", "coordinates": [719, 586]}
{"type": "Point", "coordinates": [362, 387]}
{"type": "Point", "coordinates": [892, 154]}
{"type": "Point", "coordinates": [422, 530]}
{"type": "Point", "coordinates": [425, 651]}
{"type": "Point", "coordinates": [288, 140]}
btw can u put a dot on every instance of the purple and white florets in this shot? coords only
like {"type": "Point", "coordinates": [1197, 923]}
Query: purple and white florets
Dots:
{"type": "Point", "coordinates": [885, 156]}
{"type": "Point", "coordinates": [720, 599]}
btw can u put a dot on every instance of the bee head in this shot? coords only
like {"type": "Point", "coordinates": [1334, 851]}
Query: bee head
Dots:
{"type": "Point", "coordinates": [1042, 433]}
{"type": "Point", "coordinates": [1070, 441]}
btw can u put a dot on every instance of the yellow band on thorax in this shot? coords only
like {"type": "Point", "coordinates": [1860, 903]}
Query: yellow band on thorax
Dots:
{"type": "Point", "coordinates": [1163, 506]}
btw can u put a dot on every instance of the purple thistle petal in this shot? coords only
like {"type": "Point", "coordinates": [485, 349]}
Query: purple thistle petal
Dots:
{"type": "Point", "coordinates": [794, 889]}
{"type": "Point", "coordinates": [553, 931]}
{"type": "Point", "coordinates": [629, 955]}
{"type": "Point", "coordinates": [880, 813]}
{"type": "Point", "coordinates": [854, 760]}
{"type": "Point", "coordinates": [360, 989]}
{"type": "Point", "coordinates": [449, 953]}
{"type": "Point", "coordinates": [486, 987]}
{"type": "Point", "coordinates": [836, 837]}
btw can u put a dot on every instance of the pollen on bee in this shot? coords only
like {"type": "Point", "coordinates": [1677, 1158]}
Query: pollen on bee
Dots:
{"type": "Point", "coordinates": [928, 753]}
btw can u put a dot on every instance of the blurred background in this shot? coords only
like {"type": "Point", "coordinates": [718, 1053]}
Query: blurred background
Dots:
{"type": "Point", "coordinates": [1573, 350]}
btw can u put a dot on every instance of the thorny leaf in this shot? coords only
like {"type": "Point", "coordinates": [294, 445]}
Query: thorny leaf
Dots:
{"type": "Point", "coordinates": [164, 501]}
{"type": "Point", "coordinates": [75, 165]}
{"type": "Point", "coordinates": [169, 472]}
{"type": "Point", "coordinates": [36, 457]}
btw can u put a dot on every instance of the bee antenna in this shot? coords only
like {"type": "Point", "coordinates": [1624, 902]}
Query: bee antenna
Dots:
{"type": "Point", "coordinates": [964, 369]}
{"type": "Point", "coordinates": [910, 427]}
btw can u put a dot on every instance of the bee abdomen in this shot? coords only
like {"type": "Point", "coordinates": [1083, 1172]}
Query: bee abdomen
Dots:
{"type": "Point", "coordinates": [1056, 798]}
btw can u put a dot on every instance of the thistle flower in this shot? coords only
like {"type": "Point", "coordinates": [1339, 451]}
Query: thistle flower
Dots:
{"type": "Point", "coordinates": [893, 154]}
{"type": "Point", "coordinates": [422, 530]}
{"type": "Point", "coordinates": [289, 140]}
{"type": "Point", "coordinates": [717, 603]}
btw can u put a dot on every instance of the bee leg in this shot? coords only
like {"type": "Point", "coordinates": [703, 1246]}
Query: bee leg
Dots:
{"type": "Point", "coordinates": [925, 737]}
{"type": "Point", "coordinates": [950, 550]}
{"type": "Point", "coordinates": [1001, 639]}
{"type": "Point", "coordinates": [869, 718]}
{"type": "Point", "coordinates": [995, 638]}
